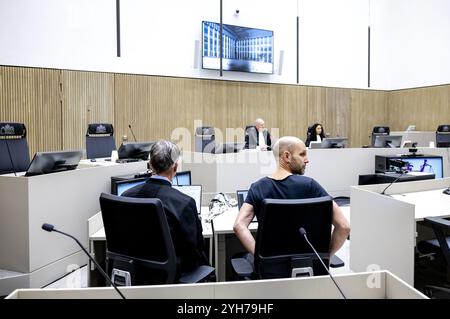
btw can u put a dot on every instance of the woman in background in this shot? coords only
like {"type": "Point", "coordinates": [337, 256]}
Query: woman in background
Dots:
{"type": "Point", "coordinates": [316, 134]}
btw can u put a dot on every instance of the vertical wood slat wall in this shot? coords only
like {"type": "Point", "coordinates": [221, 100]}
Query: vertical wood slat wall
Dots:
{"type": "Point", "coordinates": [31, 96]}
{"type": "Point", "coordinates": [57, 105]}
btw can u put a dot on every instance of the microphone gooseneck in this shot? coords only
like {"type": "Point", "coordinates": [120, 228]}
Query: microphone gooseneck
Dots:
{"type": "Point", "coordinates": [131, 130]}
{"type": "Point", "coordinates": [384, 190]}
{"type": "Point", "coordinates": [50, 228]}
{"type": "Point", "coordinates": [10, 157]}
{"type": "Point", "coordinates": [303, 233]}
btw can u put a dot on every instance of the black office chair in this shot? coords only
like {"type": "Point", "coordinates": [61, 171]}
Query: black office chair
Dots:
{"type": "Point", "coordinates": [14, 155]}
{"type": "Point", "coordinates": [100, 140]}
{"type": "Point", "coordinates": [280, 250]}
{"type": "Point", "coordinates": [205, 139]}
{"type": "Point", "coordinates": [435, 273]}
{"type": "Point", "coordinates": [443, 136]}
{"type": "Point", "coordinates": [379, 130]}
{"type": "Point", "coordinates": [139, 245]}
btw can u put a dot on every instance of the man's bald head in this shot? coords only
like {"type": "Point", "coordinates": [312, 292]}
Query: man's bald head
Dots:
{"type": "Point", "coordinates": [290, 152]}
{"type": "Point", "coordinates": [286, 143]}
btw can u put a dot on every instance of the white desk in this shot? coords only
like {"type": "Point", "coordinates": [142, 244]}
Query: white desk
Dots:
{"type": "Point", "coordinates": [370, 285]}
{"type": "Point", "coordinates": [65, 199]}
{"type": "Point", "coordinates": [384, 227]}
{"type": "Point", "coordinates": [422, 138]}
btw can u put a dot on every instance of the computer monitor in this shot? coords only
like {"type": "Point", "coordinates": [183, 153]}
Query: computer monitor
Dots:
{"type": "Point", "coordinates": [334, 142]}
{"type": "Point", "coordinates": [241, 196]}
{"type": "Point", "coordinates": [391, 141]}
{"type": "Point", "coordinates": [118, 187]}
{"type": "Point", "coordinates": [51, 162]}
{"type": "Point", "coordinates": [315, 144]}
{"type": "Point", "coordinates": [182, 178]}
{"type": "Point", "coordinates": [426, 164]}
{"type": "Point", "coordinates": [194, 191]}
{"type": "Point", "coordinates": [135, 150]}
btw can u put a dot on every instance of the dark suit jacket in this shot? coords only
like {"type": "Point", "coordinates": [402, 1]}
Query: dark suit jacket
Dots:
{"type": "Point", "coordinates": [182, 217]}
{"type": "Point", "coordinates": [252, 137]}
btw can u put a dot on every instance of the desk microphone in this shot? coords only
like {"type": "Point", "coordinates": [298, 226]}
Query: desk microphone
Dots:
{"type": "Point", "coordinates": [303, 233]}
{"type": "Point", "coordinates": [10, 157]}
{"type": "Point", "coordinates": [50, 228]}
{"type": "Point", "coordinates": [384, 190]}
{"type": "Point", "coordinates": [129, 125]}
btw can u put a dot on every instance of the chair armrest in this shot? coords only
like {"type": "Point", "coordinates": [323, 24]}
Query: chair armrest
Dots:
{"type": "Point", "coordinates": [199, 274]}
{"type": "Point", "coordinates": [336, 262]}
{"type": "Point", "coordinates": [242, 267]}
{"type": "Point", "coordinates": [438, 221]}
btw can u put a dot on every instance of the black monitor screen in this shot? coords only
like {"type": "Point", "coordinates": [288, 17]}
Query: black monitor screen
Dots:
{"type": "Point", "coordinates": [245, 49]}
{"type": "Point", "coordinates": [51, 162]}
{"type": "Point", "coordinates": [334, 142]}
{"type": "Point", "coordinates": [118, 187]}
{"type": "Point", "coordinates": [136, 150]}
{"type": "Point", "coordinates": [182, 178]}
{"type": "Point", "coordinates": [388, 141]}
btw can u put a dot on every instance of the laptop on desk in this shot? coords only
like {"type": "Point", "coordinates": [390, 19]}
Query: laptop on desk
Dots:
{"type": "Point", "coordinates": [194, 191]}
{"type": "Point", "coordinates": [241, 196]}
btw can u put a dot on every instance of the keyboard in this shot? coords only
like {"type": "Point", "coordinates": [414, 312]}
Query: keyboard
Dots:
{"type": "Point", "coordinates": [127, 160]}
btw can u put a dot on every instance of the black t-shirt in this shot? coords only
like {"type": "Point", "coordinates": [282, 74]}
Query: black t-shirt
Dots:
{"type": "Point", "coordinates": [291, 187]}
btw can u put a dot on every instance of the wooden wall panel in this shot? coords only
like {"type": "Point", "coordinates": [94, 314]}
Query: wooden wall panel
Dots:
{"type": "Point", "coordinates": [57, 105]}
{"type": "Point", "coordinates": [31, 96]}
{"type": "Point", "coordinates": [368, 110]}
{"type": "Point", "coordinates": [87, 97]}
{"type": "Point", "coordinates": [424, 107]}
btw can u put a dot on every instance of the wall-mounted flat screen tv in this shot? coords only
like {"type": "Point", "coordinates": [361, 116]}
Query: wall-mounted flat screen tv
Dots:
{"type": "Point", "coordinates": [244, 49]}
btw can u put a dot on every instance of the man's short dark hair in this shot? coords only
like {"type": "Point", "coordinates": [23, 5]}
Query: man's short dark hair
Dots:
{"type": "Point", "coordinates": [163, 155]}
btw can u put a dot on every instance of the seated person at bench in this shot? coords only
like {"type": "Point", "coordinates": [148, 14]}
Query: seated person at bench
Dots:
{"type": "Point", "coordinates": [287, 182]}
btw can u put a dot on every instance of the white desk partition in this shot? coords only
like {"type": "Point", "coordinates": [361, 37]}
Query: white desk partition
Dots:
{"type": "Point", "coordinates": [383, 234]}
{"type": "Point", "coordinates": [65, 199]}
{"type": "Point", "coordinates": [369, 285]}
{"type": "Point", "coordinates": [335, 169]}
{"type": "Point", "coordinates": [422, 138]}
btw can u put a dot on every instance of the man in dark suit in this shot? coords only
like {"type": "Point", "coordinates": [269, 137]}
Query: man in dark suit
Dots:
{"type": "Point", "coordinates": [181, 211]}
{"type": "Point", "coordinates": [257, 136]}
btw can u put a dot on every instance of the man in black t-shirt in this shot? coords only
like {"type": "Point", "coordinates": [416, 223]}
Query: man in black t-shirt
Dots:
{"type": "Point", "coordinates": [287, 182]}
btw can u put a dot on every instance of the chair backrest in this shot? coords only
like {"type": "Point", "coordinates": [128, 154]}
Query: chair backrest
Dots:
{"type": "Point", "coordinates": [279, 245]}
{"type": "Point", "coordinates": [138, 239]}
{"type": "Point", "coordinates": [309, 131]}
{"type": "Point", "coordinates": [205, 139]}
{"type": "Point", "coordinates": [13, 141]}
{"type": "Point", "coordinates": [251, 137]}
{"type": "Point", "coordinates": [100, 140]}
{"type": "Point", "coordinates": [379, 130]}
{"type": "Point", "coordinates": [443, 135]}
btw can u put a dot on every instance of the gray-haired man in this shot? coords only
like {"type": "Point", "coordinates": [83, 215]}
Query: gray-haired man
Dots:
{"type": "Point", "coordinates": [180, 209]}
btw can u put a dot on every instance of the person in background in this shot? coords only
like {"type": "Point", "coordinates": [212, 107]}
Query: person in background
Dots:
{"type": "Point", "coordinates": [258, 136]}
{"type": "Point", "coordinates": [317, 134]}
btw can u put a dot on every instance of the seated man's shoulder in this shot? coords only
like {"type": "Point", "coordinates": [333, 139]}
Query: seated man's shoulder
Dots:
{"type": "Point", "coordinates": [179, 195]}
{"type": "Point", "coordinates": [301, 179]}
